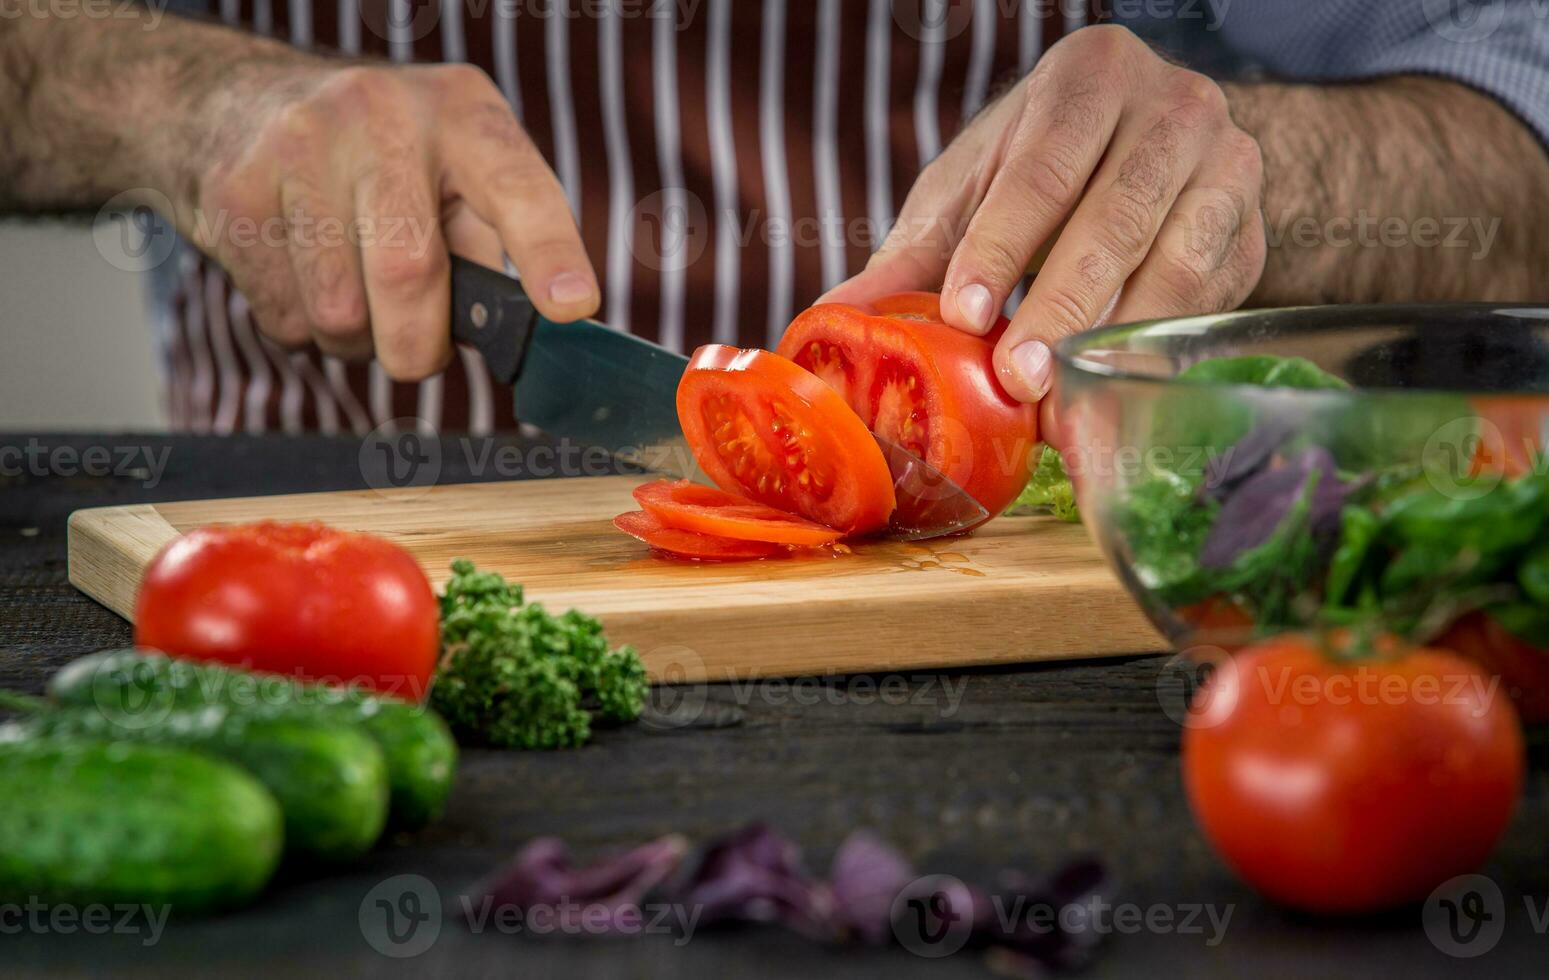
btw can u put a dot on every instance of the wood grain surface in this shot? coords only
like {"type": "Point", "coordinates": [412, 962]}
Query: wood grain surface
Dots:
{"type": "Point", "coordinates": [1019, 589]}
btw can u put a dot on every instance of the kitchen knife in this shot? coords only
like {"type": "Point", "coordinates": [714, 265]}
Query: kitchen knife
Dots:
{"type": "Point", "coordinates": [604, 388]}
{"type": "Point", "coordinates": [580, 380]}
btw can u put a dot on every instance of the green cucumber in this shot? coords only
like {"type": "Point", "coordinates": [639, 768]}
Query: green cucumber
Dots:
{"type": "Point", "coordinates": [86, 821]}
{"type": "Point", "coordinates": [330, 780]}
{"type": "Point", "coordinates": [135, 687]}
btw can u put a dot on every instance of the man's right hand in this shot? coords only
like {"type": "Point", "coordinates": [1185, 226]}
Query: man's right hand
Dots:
{"type": "Point", "coordinates": [331, 192]}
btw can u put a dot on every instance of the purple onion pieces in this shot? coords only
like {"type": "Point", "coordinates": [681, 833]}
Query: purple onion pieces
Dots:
{"type": "Point", "coordinates": [756, 875]}
{"type": "Point", "coordinates": [542, 875]}
{"type": "Point", "coordinates": [867, 875]}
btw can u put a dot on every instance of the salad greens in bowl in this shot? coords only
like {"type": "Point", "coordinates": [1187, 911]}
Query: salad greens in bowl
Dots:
{"type": "Point", "coordinates": [1258, 471]}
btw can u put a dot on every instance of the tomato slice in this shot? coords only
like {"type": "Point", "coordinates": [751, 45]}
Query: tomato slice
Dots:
{"type": "Point", "coordinates": [927, 386]}
{"type": "Point", "coordinates": [691, 544]}
{"type": "Point", "coordinates": [709, 510]}
{"type": "Point", "coordinates": [763, 428]}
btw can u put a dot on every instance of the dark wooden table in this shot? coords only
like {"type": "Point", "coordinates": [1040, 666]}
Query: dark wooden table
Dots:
{"type": "Point", "coordinates": [987, 767]}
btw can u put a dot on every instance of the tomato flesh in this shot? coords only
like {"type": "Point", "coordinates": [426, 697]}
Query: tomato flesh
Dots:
{"type": "Point", "coordinates": [305, 600]}
{"type": "Point", "coordinates": [924, 385]}
{"type": "Point", "coordinates": [691, 544]}
{"type": "Point", "coordinates": [898, 409]}
{"type": "Point", "coordinates": [763, 428]}
{"type": "Point", "coordinates": [1351, 785]}
{"type": "Point", "coordinates": [709, 510]}
{"type": "Point", "coordinates": [829, 363]}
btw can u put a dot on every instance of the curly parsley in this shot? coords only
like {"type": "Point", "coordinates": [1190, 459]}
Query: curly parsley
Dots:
{"type": "Point", "coordinates": [514, 675]}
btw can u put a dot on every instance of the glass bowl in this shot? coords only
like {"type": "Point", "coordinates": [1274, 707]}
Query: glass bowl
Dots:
{"type": "Point", "coordinates": [1262, 470]}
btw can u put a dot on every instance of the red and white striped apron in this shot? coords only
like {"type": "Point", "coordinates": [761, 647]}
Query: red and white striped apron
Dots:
{"type": "Point", "coordinates": [785, 133]}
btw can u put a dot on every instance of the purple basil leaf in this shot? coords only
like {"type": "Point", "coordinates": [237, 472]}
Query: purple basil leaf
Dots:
{"type": "Point", "coordinates": [1249, 456]}
{"type": "Point", "coordinates": [1258, 506]}
{"type": "Point", "coordinates": [932, 899]}
{"type": "Point", "coordinates": [542, 875]}
{"type": "Point", "coordinates": [756, 875]}
{"type": "Point", "coordinates": [866, 877]}
{"type": "Point", "coordinates": [1251, 514]}
{"type": "Point", "coordinates": [1048, 940]}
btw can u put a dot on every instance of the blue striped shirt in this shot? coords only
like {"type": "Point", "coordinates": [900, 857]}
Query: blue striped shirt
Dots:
{"type": "Point", "coordinates": [1500, 47]}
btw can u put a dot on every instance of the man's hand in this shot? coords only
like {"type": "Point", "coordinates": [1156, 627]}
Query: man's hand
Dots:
{"type": "Point", "coordinates": [1130, 166]}
{"type": "Point", "coordinates": [330, 190]}
{"type": "Point", "coordinates": [367, 175]}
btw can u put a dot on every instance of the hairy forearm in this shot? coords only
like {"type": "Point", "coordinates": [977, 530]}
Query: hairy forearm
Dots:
{"type": "Point", "coordinates": [1403, 189]}
{"type": "Point", "coordinates": [90, 108]}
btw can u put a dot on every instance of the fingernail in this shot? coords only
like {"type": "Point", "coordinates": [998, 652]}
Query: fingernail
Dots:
{"type": "Point", "coordinates": [1032, 363]}
{"type": "Point", "coordinates": [567, 287]}
{"type": "Point", "coordinates": [977, 307]}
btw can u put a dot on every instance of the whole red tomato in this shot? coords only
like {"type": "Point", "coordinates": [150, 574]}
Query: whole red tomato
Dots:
{"type": "Point", "coordinates": [300, 599]}
{"type": "Point", "coordinates": [1349, 785]}
{"type": "Point", "coordinates": [924, 385]}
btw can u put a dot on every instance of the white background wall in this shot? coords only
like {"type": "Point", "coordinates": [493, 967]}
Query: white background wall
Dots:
{"type": "Point", "coordinates": [76, 346]}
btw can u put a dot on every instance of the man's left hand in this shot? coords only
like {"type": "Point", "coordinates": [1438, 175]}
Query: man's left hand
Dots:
{"type": "Point", "coordinates": [1131, 166]}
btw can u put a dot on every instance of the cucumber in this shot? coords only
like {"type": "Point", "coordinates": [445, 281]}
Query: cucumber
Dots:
{"type": "Point", "coordinates": [330, 780]}
{"type": "Point", "coordinates": [134, 687]}
{"type": "Point", "coordinates": [86, 821]}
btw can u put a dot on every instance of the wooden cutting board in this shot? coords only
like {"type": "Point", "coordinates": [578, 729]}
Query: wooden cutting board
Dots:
{"type": "Point", "coordinates": [1019, 589]}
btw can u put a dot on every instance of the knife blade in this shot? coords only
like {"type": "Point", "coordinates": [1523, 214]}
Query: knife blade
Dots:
{"type": "Point", "coordinates": [929, 504]}
{"type": "Point", "coordinates": [582, 380]}
{"type": "Point", "coordinates": [600, 387]}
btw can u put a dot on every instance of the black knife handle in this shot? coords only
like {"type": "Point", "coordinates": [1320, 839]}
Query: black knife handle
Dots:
{"type": "Point", "coordinates": [491, 311]}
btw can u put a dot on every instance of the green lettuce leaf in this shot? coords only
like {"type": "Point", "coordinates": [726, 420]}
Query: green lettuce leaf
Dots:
{"type": "Point", "coordinates": [1049, 489]}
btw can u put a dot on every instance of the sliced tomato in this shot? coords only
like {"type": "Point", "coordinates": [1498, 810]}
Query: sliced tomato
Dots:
{"type": "Point", "coordinates": [691, 544]}
{"type": "Point", "coordinates": [766, 429]}
{"type": "Point", "coordinates": [925, 385]}
{"type": "Point", "coordinates": [709, 510]}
